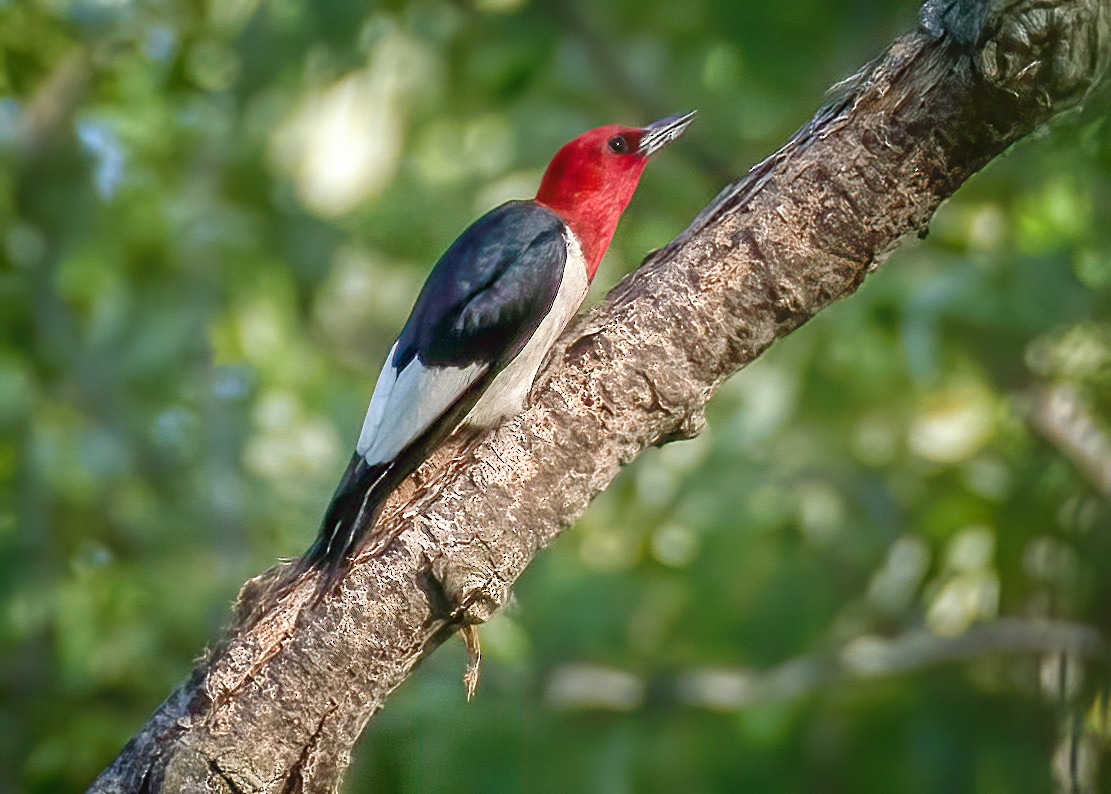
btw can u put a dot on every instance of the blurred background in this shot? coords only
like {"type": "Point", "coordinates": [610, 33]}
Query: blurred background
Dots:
{"type": "Point", "coordinates": [214, 218]}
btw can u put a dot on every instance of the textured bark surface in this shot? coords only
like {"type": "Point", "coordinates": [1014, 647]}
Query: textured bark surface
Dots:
{"type": "Point", "coordinates": [279, 704]}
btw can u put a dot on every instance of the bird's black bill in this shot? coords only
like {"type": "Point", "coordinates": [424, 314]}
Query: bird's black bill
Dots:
{"type": "Point", "coordinates": [660, 133]}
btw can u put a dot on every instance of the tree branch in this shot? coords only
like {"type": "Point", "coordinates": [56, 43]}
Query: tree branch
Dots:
{"type": "Point", "coordinates": [863, 658]}
{"type": "Point", "coordinates": [279, 704]}
{"type": "Point", "coordinates": [1061, 415]}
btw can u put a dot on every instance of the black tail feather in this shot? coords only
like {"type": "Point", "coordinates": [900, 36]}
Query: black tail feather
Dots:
{"type": "Point", "coordinates": [363, 491]}
{"type": "Point", "coordinates": [352, 512]}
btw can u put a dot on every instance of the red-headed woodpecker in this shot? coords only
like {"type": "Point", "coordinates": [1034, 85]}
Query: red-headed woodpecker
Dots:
{"type": "Point", "coordinates": [484, 320]}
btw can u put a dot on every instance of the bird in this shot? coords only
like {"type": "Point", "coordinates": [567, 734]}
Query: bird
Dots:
{"type": "Point", "coordinates": [489, 311]}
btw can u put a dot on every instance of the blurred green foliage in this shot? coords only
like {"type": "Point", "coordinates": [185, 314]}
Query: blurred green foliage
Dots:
{"type": "Point", "coordinates": [214, 217]}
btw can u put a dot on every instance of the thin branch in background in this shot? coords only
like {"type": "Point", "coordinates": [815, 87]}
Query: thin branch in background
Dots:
{"type": "Point", "coordinates": [54, 103]}
{"type": "Point", "coordinates": [1063, 417]}
{"type": "Point", "coordinates": [865, 658]}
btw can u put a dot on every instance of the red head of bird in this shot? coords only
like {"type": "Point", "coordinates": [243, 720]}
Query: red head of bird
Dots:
{"type": "Point", "coordinates": [591, 179]}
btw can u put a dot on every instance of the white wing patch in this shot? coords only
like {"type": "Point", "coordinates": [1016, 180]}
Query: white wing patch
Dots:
{"type": "Point", "coordinates": [405, 403]}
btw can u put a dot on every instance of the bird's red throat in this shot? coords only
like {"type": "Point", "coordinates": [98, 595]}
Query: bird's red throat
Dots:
{"type": "Point", "coordinates": [589, 188]}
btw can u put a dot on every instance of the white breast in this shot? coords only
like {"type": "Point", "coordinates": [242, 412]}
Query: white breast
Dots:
{"type": "Point", "coordinates": [509, 389]}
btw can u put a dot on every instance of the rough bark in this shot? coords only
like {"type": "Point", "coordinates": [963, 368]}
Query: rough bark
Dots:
{"type": "Point", "coordinates": [280, 702]}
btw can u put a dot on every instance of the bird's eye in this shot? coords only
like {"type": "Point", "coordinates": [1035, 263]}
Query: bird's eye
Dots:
{"type": "Point", "coordinates": [618, 144]}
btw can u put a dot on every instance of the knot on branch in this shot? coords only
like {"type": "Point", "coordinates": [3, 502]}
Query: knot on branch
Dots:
{"type": "Point", "coordinates": [689, 426]}
{"type": "Point", "coordinates": [471, 589]}
{"type": "Point", "coordinates": [1048, 52]}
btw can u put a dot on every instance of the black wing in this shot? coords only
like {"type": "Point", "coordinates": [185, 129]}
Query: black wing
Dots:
{"type": "Point", "coordinates": [489, 291]}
